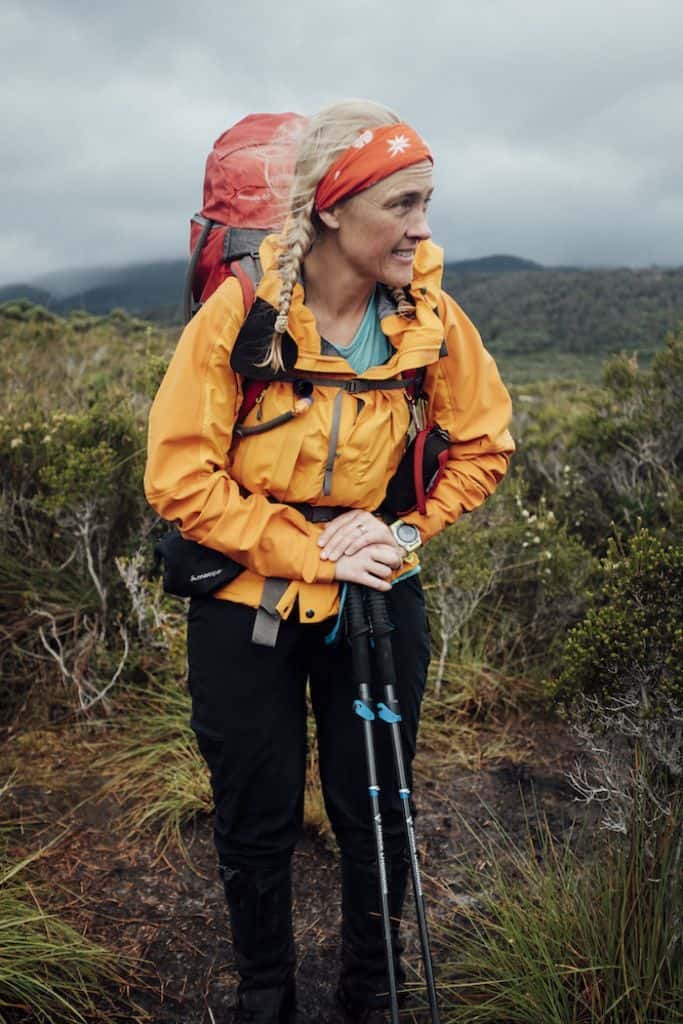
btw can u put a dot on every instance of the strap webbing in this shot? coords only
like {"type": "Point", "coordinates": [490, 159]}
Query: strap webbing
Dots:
{"type": "Point", "coordinates": [353, 385]}
{"type": "Point", "coordinates": [267, 621]}
{"type": "Point", "coordinates": [332, 446]}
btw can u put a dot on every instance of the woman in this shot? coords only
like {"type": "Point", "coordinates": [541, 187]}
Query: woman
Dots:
{"type": "Point", "coordinates": [352, 289]}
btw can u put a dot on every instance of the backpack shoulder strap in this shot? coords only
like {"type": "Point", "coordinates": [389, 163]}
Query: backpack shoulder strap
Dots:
{"type": "Point", "coordinates": [248, 271]}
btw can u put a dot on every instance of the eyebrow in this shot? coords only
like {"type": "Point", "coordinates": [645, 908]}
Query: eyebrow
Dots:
{"type": "Point", "coordinates": [410, 194]}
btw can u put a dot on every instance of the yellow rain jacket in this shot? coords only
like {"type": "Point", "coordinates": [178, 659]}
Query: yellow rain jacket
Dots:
{"type": "Point", "coordinates": [198, 471]}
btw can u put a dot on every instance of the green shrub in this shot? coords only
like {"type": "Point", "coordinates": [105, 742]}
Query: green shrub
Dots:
{"type": "Point", "coordinates": [72, 492]}
{"type": "Point", "coordinates": [72, 504]}
{"type": "Point", "coordinates": [627, 450]}
{"type": "Point", "coordinates": [632, 640]}
{"type": "Point", "coordinates": [621, 687]}
{"type": "Point", "coordinates": [609, 453]}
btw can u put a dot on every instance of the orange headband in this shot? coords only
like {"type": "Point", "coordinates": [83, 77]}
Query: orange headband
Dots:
{"type": "Point", "coordinates": [376, 153]}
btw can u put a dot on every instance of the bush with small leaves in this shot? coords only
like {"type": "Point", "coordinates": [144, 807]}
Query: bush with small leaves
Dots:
{"type": "Point", "coordinates": [72, 504]}
{"type": "Point", "coordinates": [627, 449]}
{"type": "Point", "coordinates": [509, 581]}
{"type": "Point", "coordinates": [621, 686]}
{"type": "Point", "coordinates": [632, 639]}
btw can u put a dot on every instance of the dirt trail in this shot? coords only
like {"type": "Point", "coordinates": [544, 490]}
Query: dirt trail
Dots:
{"type": "Point", "coordinates": [170, 912]}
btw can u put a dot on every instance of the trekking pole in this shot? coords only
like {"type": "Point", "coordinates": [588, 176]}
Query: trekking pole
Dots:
{"type": "Point", "coordinates": [359, 634]}
{"type": "Point", "coordinates": [390, 713]}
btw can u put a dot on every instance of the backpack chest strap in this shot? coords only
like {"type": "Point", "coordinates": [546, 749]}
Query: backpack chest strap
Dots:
{"type": "Point", "coordinates": [353, 385]}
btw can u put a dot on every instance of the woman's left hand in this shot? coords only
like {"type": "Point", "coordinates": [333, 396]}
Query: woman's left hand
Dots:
{"type": "Point", "coordinates": [354, 530]}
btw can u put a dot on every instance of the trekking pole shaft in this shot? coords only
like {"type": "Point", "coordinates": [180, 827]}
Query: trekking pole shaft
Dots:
{"type": "Point", "coordinates": [374, 791]}
{"type": "Point", "coordinates": [359, 632]}
{"type": "Point", "coordinates": [382, 628]}
{"type": "Point", "coordinates": [404, 793]}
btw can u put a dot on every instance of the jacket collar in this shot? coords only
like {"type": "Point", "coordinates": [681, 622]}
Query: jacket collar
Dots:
{"type": "Point", "coordinates": [416, 341]}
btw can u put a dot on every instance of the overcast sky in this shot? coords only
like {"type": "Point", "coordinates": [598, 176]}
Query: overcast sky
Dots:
{"type": "Point", "coordinates": [556, 124]}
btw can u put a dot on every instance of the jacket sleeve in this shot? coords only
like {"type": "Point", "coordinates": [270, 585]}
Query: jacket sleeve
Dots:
{"type": "Point", "coordinates": [190, 432]}
{"type": "Point", "coordinates": [468, 399]}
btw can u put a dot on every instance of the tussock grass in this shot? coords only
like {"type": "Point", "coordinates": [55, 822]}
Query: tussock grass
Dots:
{"type": "Point", "coordinates": [540, 938]}
{"type": "Point", "coordinates": [154, 766]}
{"type": "Point", "coordinates": [47, 968]}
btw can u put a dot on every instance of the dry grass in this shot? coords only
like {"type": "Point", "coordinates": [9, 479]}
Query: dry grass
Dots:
{"type": "Point", "coordinates": [48, 969]}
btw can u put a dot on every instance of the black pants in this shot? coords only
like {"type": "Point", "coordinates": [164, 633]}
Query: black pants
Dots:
{"type": "Point", "coordinates": [249, 715]}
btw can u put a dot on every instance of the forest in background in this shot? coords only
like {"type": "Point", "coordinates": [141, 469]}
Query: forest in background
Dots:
{"type": "Point", "coordinates": [562, 595]}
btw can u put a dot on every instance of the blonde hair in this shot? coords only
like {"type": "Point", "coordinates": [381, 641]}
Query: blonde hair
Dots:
{"type": "Point", "coordinates": [324, 139]}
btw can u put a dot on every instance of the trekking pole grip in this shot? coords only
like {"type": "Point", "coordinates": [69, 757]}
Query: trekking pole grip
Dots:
{"type": "Point", "coordinates": [356, 621]}
{"type": "Point", "coordinates": [377, 609]}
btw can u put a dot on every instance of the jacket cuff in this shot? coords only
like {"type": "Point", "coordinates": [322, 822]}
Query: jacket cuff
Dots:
{"type": "Point", "coordinates": [315, 569]}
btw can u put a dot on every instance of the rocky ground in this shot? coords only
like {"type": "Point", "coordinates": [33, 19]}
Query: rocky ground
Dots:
{"type": "Point", "coordinates": [168, 912]}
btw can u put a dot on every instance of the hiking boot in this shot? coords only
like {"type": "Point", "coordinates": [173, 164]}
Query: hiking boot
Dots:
{"type": "Point", "coordinates": [266, 1006]}
{"type": "Point", "coordinates": [363, 982]}
{"type": "Point", "coordinates": [361, 1014]}
{"type": "Point", "coordinates": [260, 906]}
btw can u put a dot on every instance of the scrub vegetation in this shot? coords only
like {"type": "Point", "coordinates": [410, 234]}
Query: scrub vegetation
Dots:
{"type": "Point", "coordinates": [45, 964]}
{"type": "Point", "coordinates": [560, 601]}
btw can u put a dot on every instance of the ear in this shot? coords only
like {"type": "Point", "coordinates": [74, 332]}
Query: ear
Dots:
{"type": "Point", "coordinates": [329, 218]}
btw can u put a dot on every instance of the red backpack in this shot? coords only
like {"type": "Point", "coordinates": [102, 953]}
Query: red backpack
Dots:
{"type": "Point", "coordinates": [246, 186]}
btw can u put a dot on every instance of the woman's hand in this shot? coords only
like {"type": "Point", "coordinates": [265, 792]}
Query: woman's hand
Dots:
{"type": "Point", "coordinates": [354, 530]}
{"type": "Point", "coordinates": [371, 566]}
{"type": "Point", "coordinates": [363, 549]}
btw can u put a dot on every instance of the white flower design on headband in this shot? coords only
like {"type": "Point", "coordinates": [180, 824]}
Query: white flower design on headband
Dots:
{"type": "Point", "coordinates": [363, 139]}
{"type": "Point", "coordinates": [398, 144]}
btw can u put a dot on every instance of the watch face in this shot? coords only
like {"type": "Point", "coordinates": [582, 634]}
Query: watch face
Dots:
{"type": "Point", "coordinates": [406, 533]}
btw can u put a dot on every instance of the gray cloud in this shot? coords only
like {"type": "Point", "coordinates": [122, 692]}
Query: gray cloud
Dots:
{"type": "Point", "coordinates": [555, 126]}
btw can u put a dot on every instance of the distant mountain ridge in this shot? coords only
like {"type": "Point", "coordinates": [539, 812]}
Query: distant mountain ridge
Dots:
{"type": "Point", "coordinates": [519, 306]}
{"type": "Point", "coordinates": [498, 264]}
{"type": "Point", "coordinates": [142, 289]}
{"type": "Point", "coordinates": [156, 287]}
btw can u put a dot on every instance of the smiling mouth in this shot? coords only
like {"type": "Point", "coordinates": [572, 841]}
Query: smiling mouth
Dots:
{"type": "Point", "coordinates": [404, 254]}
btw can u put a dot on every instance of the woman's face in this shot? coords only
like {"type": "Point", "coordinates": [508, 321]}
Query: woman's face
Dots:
{"type": "Point", "coordinates": [377, 231]}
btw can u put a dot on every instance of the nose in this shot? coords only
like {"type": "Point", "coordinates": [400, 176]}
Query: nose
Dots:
{"type": "Point", "coordinates": [418, 227]}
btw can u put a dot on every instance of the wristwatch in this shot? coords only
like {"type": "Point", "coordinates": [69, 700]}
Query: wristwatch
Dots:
{"type": "Point", "coordinates": [407, 535]}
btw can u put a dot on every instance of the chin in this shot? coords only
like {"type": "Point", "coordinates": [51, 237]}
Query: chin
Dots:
{"type": "Point", "coordinates": [398, 278]}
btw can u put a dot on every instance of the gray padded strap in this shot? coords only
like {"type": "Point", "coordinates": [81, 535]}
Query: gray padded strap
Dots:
{"type": "Point", "coordinates": [251, 265]}
{"type": "Point", "coordinates": [240, 242]}
{"type": "Point", "coordinates": [267, 621]}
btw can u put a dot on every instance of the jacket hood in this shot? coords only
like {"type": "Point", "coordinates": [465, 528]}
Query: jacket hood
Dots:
{"type": "Point", "coordinates": [417, 341]}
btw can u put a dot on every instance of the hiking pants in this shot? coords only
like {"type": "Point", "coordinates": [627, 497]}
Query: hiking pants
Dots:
{"type": "Point", "coordinates": [249, 716]}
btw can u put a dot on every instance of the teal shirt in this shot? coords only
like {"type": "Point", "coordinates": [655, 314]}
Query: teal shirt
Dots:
{"type": "Point", "coordinates": [370, 346]}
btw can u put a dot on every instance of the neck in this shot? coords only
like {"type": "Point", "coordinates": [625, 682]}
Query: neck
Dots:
{"type": "Point", "coordinates": [334, 292]}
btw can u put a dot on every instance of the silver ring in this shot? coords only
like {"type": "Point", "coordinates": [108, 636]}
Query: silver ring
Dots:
{"type": "Point", "coordinates": [361, 527]}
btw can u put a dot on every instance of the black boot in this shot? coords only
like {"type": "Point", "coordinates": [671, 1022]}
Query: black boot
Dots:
{"type": "Point", "coordinates": [260, 905]}
{"type": "Point", "coordinates": [363, 989]}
